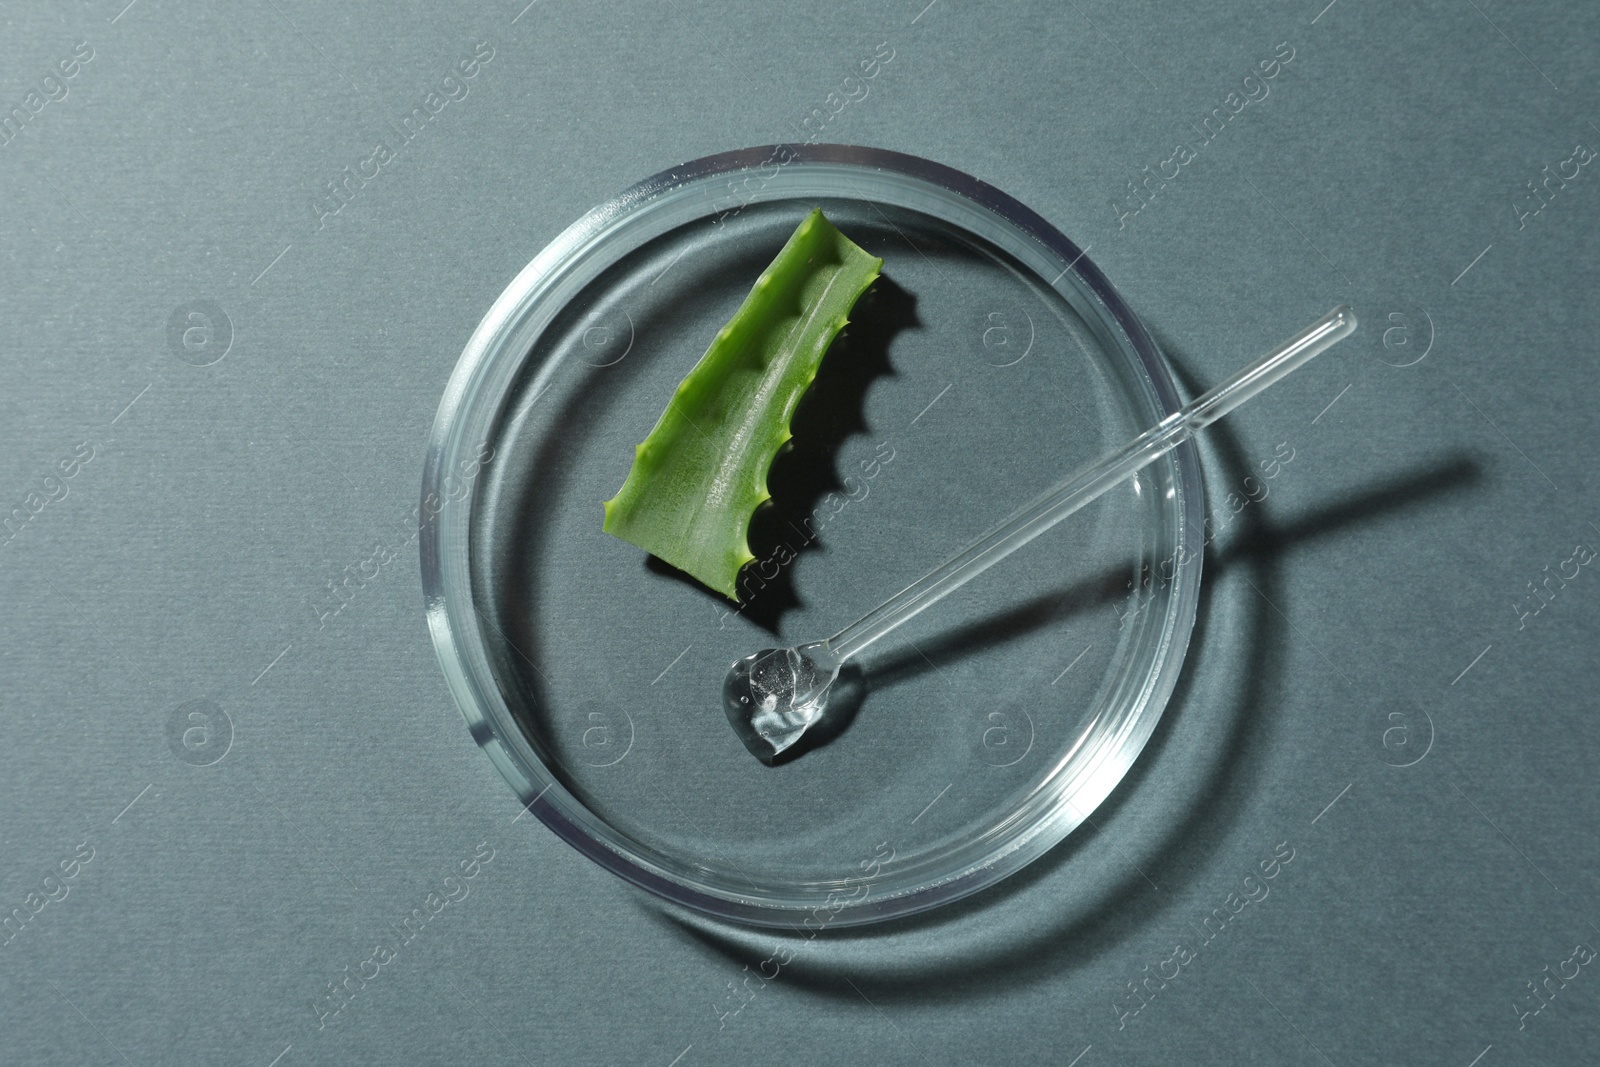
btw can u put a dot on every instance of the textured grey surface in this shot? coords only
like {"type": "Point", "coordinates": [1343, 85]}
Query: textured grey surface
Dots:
{"type": "Point", "coordinates": [1373, 611]}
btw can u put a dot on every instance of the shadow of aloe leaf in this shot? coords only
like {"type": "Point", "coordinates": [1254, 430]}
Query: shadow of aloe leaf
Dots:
{"type": "Point", "coordinates": [806, 471]}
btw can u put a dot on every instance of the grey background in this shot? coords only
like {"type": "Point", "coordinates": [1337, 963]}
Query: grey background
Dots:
{"type": "Point", "coordinates": [333, 786]}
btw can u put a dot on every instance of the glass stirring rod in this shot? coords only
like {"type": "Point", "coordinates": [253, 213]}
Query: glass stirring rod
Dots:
{"type": "Point", "coordinates": [773, 696]}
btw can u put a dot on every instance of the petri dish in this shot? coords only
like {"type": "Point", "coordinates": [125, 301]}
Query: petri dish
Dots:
{"type": "Point", "coordinates": [990, 359]}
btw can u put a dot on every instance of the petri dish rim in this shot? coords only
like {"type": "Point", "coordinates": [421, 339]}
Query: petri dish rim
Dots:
{"type": "Point", "coordinates": [490, 364]}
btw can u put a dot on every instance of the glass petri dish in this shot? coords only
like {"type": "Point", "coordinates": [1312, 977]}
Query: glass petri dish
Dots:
{"type": "Point", "coordinates": [990, 359]}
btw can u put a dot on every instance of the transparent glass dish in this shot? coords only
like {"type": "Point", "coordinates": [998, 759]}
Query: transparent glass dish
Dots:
{"type": "Point", "coordinates": [991, 358]}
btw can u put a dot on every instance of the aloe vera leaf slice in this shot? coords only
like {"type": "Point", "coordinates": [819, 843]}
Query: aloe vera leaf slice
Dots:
{"type": "Point", "coordinates": [702, 471]}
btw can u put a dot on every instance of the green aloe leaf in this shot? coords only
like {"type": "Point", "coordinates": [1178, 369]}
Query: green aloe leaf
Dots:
{"type": "Point", "coordinates": [701, 473]}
